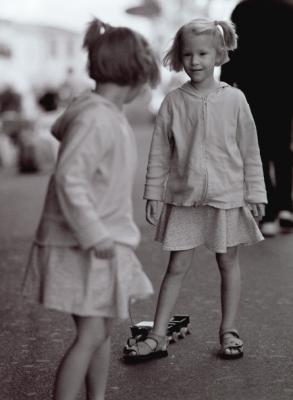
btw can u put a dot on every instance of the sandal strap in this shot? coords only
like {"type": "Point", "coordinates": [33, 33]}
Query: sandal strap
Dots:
{"type": "Point", "coordinates": [233, 340]}
{"type": "Point", "coordinates": [233, 344]}
{"type": "Point", "coordinates": [135, 347]}
{"type": "Point", "coordinates": [232, 332]}
{"type": "Point", "coordinates": [157, 339]}
{"type": "Point", "coordinates": [149, 346]}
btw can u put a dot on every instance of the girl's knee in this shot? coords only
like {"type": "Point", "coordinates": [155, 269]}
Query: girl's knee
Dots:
{"type": "Point", "coordinates": [90, 342]}
{"type": "Point", "coordinates": [179, 262]}
{"type": "Point", "coordinates": [229, 260]}
{"type": "Point", "coordinates": [92, 333]}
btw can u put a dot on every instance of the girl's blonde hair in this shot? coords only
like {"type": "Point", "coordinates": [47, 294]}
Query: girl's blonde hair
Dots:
{"type": "Point", "coordinates": [225, 38]}
{"type": "Point", "coordinates": [120, 55]}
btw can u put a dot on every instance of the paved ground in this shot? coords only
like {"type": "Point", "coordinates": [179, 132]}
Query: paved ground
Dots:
{"type": "Point", "coordinates": [32, 340]}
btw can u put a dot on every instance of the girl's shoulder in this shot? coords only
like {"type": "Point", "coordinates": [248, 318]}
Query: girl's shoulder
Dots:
{"type": "Point", "coordinates": [172, 97]}
{"type": "Point", "coordinates": [234, 93]}
{"type": "Point", "coordinates": [85, 114]}
{"type": "Point", "coordinates": [94, 107]}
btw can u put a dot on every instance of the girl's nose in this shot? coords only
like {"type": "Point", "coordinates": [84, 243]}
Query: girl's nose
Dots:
{"type": "Point", "coordinates": [194, 60]}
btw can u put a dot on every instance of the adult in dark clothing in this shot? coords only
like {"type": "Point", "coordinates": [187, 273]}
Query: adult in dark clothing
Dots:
{"type": "Point", "coordinates": [262, 67]}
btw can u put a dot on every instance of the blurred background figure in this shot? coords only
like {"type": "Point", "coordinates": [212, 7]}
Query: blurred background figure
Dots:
{"type": "Point", "coordinates": [262, 67]}
{"type": "Point", "coordinates": [10, 125]}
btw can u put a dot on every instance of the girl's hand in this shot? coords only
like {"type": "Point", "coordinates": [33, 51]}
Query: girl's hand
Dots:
{"type": "Point", "coordinates": [257, 210]}
{"type": "Point", "coordinates": [152, 211]}
{"type": "Point", "coordinates": [104, 249]}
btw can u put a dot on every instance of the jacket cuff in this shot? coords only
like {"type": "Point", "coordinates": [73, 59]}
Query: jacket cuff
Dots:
{"type": "Point", "coordinates": [91, 234]}
{"type": "Point", "coordinates": [153, 193]}
{"type": "Point", "coordinates": [260, 198]}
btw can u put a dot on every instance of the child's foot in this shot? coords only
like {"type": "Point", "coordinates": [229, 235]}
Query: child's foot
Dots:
{"type": "Point", "coordinates": [231, 344]}
{"type": "Point", "coordinates": [154, 346]}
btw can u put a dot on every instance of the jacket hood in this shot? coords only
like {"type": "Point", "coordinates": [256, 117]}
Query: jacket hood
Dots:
{"type": "Point", "coordinates": [188, 88]}
{"type": "Point", "coordinates": [85, 103]}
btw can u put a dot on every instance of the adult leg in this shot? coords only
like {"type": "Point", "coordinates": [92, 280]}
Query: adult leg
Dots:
{"type": "Point", "coordinates": [267, 144]}
{"type": "Point", "coordinates": [283, 162]}
{"type": "Point", "coordinates": [92, 336]}
{"type": "Point", "coordinates": [264, 116]}
{"type": "Point", "coordinates": [229, 268]}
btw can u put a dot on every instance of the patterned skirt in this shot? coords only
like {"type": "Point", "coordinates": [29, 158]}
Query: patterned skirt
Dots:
{"type": "Point", "coordinates": [75, 281]}
{"type": "Point", "coordinates": [183, 228]}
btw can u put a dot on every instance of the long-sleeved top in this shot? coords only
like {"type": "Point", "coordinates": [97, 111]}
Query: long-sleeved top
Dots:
{"type": "Point", "coordinates": [89, 196]}
{"type": "Point", "coordinates": [204, 150]}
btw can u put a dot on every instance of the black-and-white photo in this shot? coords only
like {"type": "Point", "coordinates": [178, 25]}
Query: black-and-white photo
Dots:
{"type": "Point", "coordinates": [146, 214]}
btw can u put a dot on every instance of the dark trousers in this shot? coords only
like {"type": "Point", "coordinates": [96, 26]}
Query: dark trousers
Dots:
{"type": "Point", "coordinates": [274, 135]}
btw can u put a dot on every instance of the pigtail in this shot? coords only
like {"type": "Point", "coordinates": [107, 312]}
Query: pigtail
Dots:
{"type": "Point", "coordinates": [229, 34]}
{"type": "Point", "coordinates": [95, 30]}
{"type": "Point", "coordinates": [172, 58]}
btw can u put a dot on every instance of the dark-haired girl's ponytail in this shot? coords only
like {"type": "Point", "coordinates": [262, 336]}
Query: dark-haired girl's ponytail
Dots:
{"type": "Point", "coordinates": [95, 30]}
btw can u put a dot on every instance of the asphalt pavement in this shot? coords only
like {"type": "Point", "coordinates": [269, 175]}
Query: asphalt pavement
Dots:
{"type": "Point", "coordinates": [33, 340]}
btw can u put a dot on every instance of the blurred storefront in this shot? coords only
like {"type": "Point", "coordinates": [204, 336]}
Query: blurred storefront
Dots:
{"type": "Point", "coordinates": [42, 67]}
{"type": "Point", "coordinates": [36, 57]}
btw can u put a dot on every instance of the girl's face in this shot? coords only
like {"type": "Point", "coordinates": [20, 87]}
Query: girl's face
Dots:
{"type": "Point", "coordinates": [199, 56]}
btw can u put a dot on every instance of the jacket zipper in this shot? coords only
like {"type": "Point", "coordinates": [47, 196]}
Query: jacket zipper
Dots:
{"type": "Point", "coordinates": [205, 188]}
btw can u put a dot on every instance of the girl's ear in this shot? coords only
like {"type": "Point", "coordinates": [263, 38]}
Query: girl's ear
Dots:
{"type": "Point", "coordinates": [221, 57]}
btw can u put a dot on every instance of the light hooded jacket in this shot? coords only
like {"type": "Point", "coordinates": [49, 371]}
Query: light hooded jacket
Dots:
{"type": "Point", "coordinates": [89, 196]}
{"type": "Point", "coordinates": [204, 150]}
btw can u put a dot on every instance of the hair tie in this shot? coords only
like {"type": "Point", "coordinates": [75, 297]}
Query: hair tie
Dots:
{"type": "Point", "coordinates": [101, 30]}
{"type": "Point", "coordinates": [219, 27]}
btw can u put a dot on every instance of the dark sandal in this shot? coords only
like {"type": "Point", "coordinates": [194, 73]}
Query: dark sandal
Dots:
{"type": "Point", "coordinates": [230, 339]}
{"type": "Point", "coordinates": [132, 355]}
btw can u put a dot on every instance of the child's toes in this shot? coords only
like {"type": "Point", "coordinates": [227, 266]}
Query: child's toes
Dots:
{"type": "Point", "coordinates": [142, 348]}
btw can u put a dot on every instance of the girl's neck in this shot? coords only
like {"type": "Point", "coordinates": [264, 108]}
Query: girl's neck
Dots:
{"type": "Point", "coordinates": [112, 92]}
{"type": "Point", "coordinates": [205, 87]}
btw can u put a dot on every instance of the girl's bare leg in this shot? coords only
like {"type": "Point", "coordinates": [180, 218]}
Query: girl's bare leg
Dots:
{"type": "Point", "coordinates": [179, 264]}
{"type": "Point", "coordinates": [97, 375]}
{"type": "Point", "coordinates": [92, 339]}
{"type": "Point", "coordinates": [229, 268]}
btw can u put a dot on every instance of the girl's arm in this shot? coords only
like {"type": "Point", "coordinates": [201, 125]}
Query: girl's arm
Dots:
{"type": "Point", "coordinates": [159, 156]}
{"type": "Point", "coordinates": [81, 153]}
{"type": "Point", "coordinates": [255, 191]}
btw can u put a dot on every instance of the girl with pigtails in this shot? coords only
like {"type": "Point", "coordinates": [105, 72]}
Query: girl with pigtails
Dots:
{"type": "Point", "coordinates": [82, 261]}
{"type": "Point", "coordinates": [204, 167]}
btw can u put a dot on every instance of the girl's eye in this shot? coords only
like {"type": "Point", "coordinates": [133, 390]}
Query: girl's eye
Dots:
{"type": "Point", "coordinates": [203, 54]}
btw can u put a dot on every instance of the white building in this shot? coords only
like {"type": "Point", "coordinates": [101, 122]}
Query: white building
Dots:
{"type": "Point", "coordinates": [34, 57]}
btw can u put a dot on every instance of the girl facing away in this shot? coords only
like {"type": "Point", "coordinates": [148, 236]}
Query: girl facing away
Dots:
{"type": "Point", "coordinates": [82, 260]}
{"type": "Point", "coordinates": [205, 167]}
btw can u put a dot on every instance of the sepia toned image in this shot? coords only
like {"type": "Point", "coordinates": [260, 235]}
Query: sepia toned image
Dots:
{"type": "Point", "coordinates": [146, 235]}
